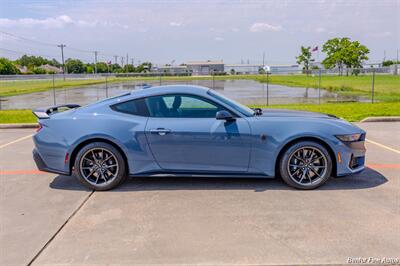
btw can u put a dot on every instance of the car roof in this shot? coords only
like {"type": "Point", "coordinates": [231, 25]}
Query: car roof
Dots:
{"type": "Point", "coordinates": [146, 92]}
{"type": "Point", "coordinates": [167, 89]}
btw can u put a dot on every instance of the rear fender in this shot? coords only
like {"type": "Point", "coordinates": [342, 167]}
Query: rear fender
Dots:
{"type": "Point", "coordinates": [73, 151]}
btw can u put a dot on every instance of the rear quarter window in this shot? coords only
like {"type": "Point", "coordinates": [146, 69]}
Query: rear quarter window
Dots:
{"type": "Point", "coordinates": [133, 107]}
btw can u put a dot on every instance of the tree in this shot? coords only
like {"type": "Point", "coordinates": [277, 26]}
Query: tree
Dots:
{"type": "Point", "coordinates": [102, 67]}
{"type": "Point", "coordinates": [144, 67]}
{"type": "Point", "coordinates": [38, 70]}
{"type": "Point", "coordinates": [54, 62]}
{"type": "Point", "coordinates": [74, 66]}
{"type": "Point", "coordinates": [129, 69]}
{"type": "Point", "coordinates": [7, 67]}
{"type": "Point", "coordinates": [389, 63]}
{"type": "Point", "coordinates": [115, 68]}
{"type": "Point", "coordinates": [342, 52]}
{"type": "Point", "coordinates": [305, 58]}
{"type": "Point", "coordinates": [89, 69]}
{"type": "Point", "coordinates": [35, 61]}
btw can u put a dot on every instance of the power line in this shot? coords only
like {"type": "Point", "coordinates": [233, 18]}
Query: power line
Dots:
{"type": "Point", "coordinates": [27, 39]}
{"type": "Point", "coordinates": [79, 50]}
{"type": "Point", "coordinates": [29, 54]}
{"type": "Point", "coordinates": [20, 38]}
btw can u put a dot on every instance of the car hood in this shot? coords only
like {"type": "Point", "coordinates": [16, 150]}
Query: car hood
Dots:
{"type": "Point", "coordinates": [293, 113]}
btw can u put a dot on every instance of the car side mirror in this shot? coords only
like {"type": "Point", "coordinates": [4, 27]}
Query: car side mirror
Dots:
{"type": "Point", "coordinates": [224, 115]}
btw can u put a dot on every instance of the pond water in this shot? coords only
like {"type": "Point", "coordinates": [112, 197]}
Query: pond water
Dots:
{"type": "Point", "coordinates": [244, 91]}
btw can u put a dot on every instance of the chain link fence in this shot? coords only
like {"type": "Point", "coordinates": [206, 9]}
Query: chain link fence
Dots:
{"type": "Point", "coordinates": [316, 86]}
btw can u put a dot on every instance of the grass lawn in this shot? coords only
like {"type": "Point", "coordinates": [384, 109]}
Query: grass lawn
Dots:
{"type": "Point", "coordinates": [387, 87]}
{"type": "Point", "coordinates": [352, 112]}
{"type": "Point", "coordinates": [17, 116]}
{"type": "Point", "coordinates": [17, 87]}
{"type": "Point", "coordinates": [349, 111]}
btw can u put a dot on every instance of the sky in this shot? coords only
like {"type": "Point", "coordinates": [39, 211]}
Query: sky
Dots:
{"type": "Point", "coordinates": [180, 31]}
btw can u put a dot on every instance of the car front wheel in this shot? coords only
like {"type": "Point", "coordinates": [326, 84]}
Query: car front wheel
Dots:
{"type": "Point", "coordinates": [306, 165]}
{"type": "Point", "coordinates": [100, 166]}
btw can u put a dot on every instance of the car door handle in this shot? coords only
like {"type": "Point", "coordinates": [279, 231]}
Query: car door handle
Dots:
{"type": "Point", "coordinates": [160, 131]}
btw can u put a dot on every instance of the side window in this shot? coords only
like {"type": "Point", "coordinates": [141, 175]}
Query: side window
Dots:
{"type": "Point", "coordinates": [182, 106]}
{"type": "Point", "coordinates": [133, 107]}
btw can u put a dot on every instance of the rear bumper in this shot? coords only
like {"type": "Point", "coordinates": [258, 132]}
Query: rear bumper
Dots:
{"type": "Point", "coordinates": [41, 165]}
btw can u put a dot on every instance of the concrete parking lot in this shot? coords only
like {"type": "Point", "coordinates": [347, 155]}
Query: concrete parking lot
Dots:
{"type": "Point", "coordinates": [50, 219]}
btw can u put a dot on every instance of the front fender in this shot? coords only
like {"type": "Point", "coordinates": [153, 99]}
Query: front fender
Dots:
{"type": "Point", "coordinates": [280, 132]}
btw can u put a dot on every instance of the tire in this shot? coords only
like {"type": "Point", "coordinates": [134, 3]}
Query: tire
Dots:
{"type": "Point", "coordinates": [100, 166]}
{"type": "Point", "coordinates": [305, 165]}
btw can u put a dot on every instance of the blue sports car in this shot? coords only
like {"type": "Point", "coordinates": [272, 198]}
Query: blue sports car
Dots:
{"type": "Point", "coordinates": [191, 130]}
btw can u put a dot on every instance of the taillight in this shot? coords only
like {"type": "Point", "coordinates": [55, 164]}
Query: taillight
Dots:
{"type": "Point", "coordinates": [66, 158]}
{"type": "Point", "coordinates": [39, 127]}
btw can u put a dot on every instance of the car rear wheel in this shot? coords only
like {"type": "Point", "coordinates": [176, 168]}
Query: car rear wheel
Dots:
{"type": "Point", "coordinates": [306, 165]}
{"type": "Point", "coordinates": [100, 166]}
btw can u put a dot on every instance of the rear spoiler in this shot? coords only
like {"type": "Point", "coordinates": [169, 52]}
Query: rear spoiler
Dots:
{"type": "Point", "coordinates": [44, 113]}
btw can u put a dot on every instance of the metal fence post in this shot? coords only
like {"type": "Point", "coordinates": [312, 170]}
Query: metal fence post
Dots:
{"type": "Point", "coordinates": [54, 92]}
{"type": "Point", "coordinates": [213, 79]}
{"type": "Point", "coordinates": [319, 86]}
{"type": "Point", "coordinates": [373, 86]}
{"type": "Point", "coordinates": [160, 79]}
{"type": "Point", "coordinates": [106, 88]}
{"type": "Point", "coordinates": [267, 88]}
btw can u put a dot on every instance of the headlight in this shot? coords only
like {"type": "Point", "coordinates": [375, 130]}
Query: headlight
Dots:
{"type": "Point", "coordinates": [350, 137]}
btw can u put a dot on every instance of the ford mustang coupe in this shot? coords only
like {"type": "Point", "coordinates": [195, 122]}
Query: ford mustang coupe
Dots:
{"type": "Point", "coordinates": [193, 131]}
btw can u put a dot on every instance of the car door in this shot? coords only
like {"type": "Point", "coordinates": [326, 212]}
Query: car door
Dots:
{"type": "Point", "coordinates": [184, 135]}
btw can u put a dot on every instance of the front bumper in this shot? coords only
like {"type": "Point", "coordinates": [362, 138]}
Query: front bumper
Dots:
{"type": "Point", "coordinates": [350, 158]}
{"type": "Point", "coordinates": [41, 165]}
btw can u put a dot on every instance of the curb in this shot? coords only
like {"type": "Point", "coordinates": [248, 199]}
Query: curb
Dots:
{"type": "Point", "coordinates": [381, 119]}
{"type": "Point", "coordinates": [24, 125]}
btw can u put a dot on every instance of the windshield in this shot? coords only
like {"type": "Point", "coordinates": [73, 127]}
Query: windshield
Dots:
{"type": "Point", "coordinates": [233, 104]}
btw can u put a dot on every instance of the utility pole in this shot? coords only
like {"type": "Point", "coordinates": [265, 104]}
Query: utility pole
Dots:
{"type": "Point", "coordinates": [116, 59]}
{"type": "Point", "coordinates": [127, 59]}
{"type": "Point", "coordinates": [263, 59]}
{"type": "Point", "coordinates": [122, 61]}
{"type": "Point", "coordinates": [396, 68]}
{"type": "Point", "coordinates": [62, 58]}
{"type": "Point", "coordinates": [133, 62]}
{"type": "Point", "coordinates": [95, 62]}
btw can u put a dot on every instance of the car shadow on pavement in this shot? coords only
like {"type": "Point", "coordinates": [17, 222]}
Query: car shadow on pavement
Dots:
{"type": "Point", "coordinates": [369, 178]}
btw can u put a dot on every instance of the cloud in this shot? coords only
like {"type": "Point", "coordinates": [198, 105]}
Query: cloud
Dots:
{"type": "Point", "coordinates": [175, 24]}
{"type": "Point", "coordinates": [382, 34]}
{"type": "Point", "coordinates": [218, 39]}
{"type": "Point", "coordinates": [259, 27]}
{"type": "Point", "coordinates": [55, 22]}
{"type": "Point", "coordinates": [320, 30]}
